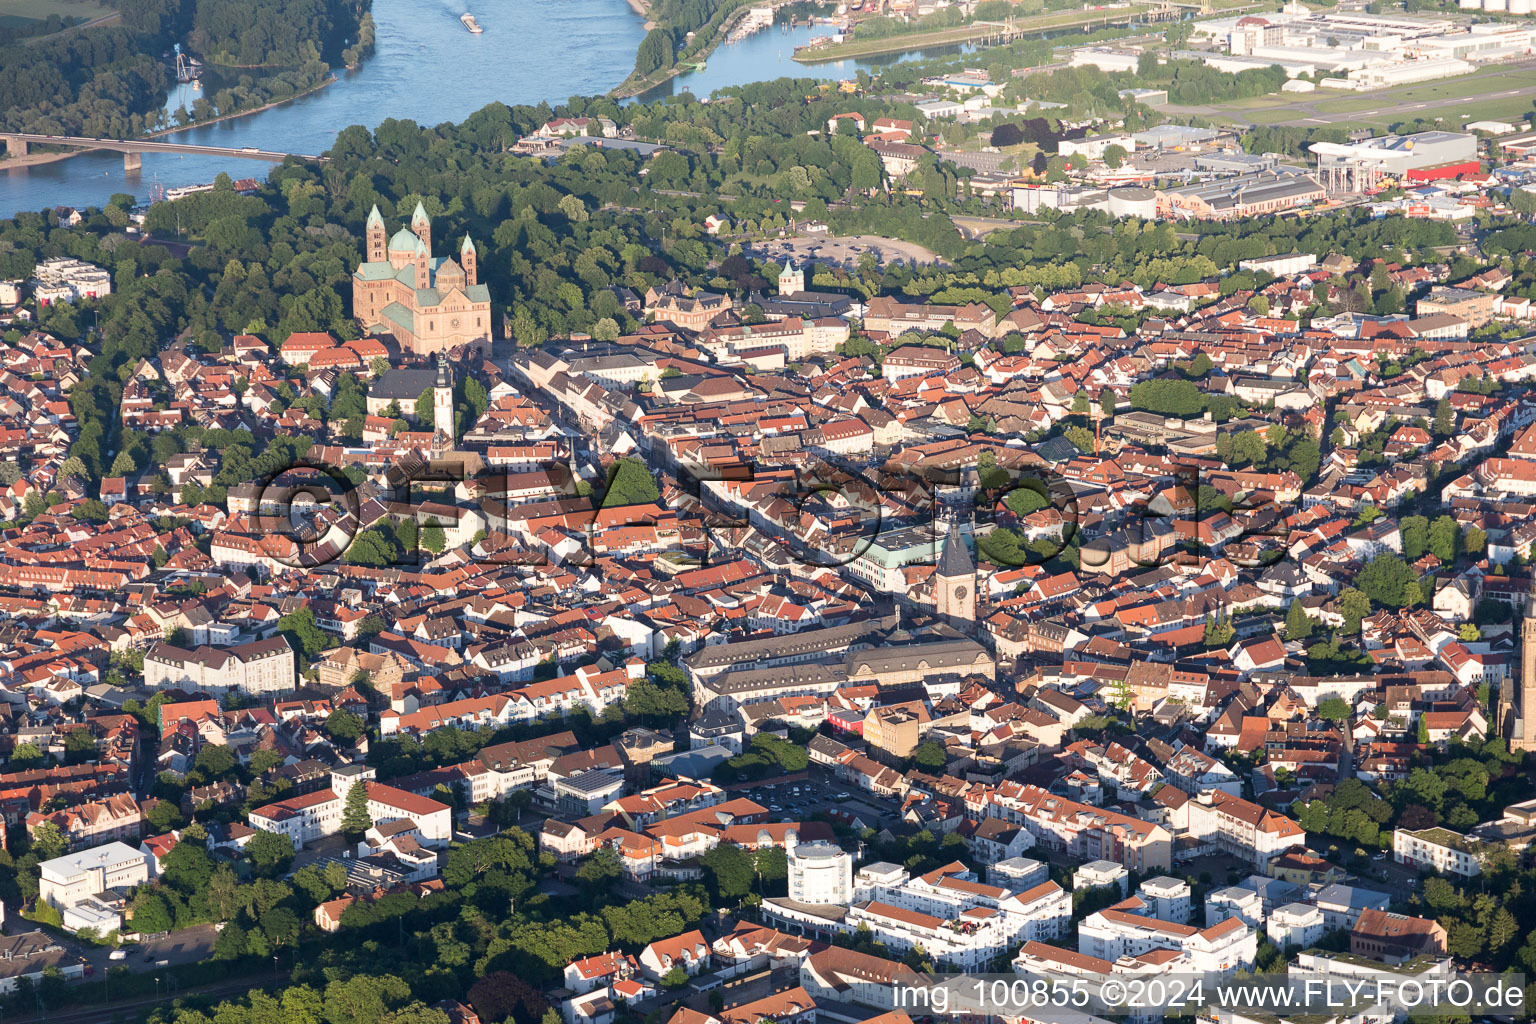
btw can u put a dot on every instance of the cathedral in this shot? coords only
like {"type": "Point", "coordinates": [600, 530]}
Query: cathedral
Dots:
{"type": "Point", "coordinates": [430, 304]}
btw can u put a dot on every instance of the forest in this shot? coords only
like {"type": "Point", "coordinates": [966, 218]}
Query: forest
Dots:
{"type": "Point", "coordinates": [109, 81]}
{"type": "Point", "coordinates": [292, 32]}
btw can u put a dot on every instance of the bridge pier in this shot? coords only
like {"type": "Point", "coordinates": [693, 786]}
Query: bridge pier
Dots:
{"type": "Point", "coordinates": [15, 146]}
{"type": "Point", "coordinates": [133, 161]}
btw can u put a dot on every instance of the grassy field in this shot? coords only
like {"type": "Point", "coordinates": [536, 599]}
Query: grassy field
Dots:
{"type": "Point", "coordinates": [19, 12]}
{"type": "Point", "coordinates": [1497, 92]}
{"type": "Point", "coordinates": [964, 33]}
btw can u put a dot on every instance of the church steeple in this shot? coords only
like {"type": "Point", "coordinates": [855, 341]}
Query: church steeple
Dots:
{"type": "Point", "coordinates": [421, 226]}
{"type": "Point", "coordinates": [954, 580]}
{"type": "Point", "coordinates": [375, 235]}
{"type": "Point", "coordinates": [467, 259]}
{"type": "Point", "coordinates": [442, 404]}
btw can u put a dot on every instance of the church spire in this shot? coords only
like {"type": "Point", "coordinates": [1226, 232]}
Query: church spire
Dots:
{"type": "Point", "coordinates": [421, 225]}
{"type": "Point", "coordinates": [442, 405]}
{"type": "Point", "coordinates": [954, 581]}
{"type": "Point", "coordinates": [469, 260]}
{"type": "Point", "coordinates": [374, 236]}
{"type": "Point", "coordinates": [955, 557]}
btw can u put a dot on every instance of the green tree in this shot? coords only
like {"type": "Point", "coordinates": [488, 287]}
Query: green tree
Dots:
{"type": "Point", "coordinates": [152, 914]}
{"type": "Point", "coordinates": [187, 868]}
{"type": "Point", "coordinates": [600, 871]}
{"type": "Point", "coordinates": [1353, 606]}
{"type": "Point", "coordinates": [432, 537]}
{"type": "Point", "coordinates": [1385, 580]}
{"type": "Point", "coordinates": [1333, 709]}
{"type": "Point", "coordinates": [730, 871]}
{"type": "Point", "coordinates": [929, 756]}
{"type": "Point", "coordinates": [1443, 537]}
{"type": "Point", "coordinates": [48, 841]}
{"type": "Point", "coordinates": [1445, 419]}
{"type": "Point", "coordinates": [355, 817]}
{"type": "Point", "coordinates": [630, 482]}
{"type": "Point", "coordinates": [344, 726]}
{"type": "Point", "coordinates": [303, 634]}
{"type": "Point", "coordinates": [1298, 624]}
{"type": "Point", "coordinates": [1415, 533]}
{"type": "Point", "coordinates": [269, 851]}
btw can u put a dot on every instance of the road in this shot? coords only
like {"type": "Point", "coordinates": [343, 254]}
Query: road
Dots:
{"type": "Point", "coordinates": [106, 19]}
{"type": "Point", "coordinates": [17, 143]}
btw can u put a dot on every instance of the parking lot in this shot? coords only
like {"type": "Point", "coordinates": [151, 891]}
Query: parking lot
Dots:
{"type": "Point", "coordinates": [843, 251]}
{"type": "Point", "coordinates": [819, 791]}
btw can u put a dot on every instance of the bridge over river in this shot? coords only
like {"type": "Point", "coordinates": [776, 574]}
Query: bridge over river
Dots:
{"type": "Point", "coordinates": [17, 143]}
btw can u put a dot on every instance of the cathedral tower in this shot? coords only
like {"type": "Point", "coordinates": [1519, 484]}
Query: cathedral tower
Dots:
{"type": "Point", "coordinates": [442, 403]}
{"type": "Point", "coordinates": [423, 259]}
{"type": "Point", "coordinates": [421, 226]}
{"type": "Point", "coordinates": [954, 581]}
{"type": "Point", "coordinates": [467, 259]}
{"type": "Point", "coordinates": [1525, 711]}
{"type": "Point", "coordinates": [375, 233]}
{"type": "Point", "coordinates": [791, 278]}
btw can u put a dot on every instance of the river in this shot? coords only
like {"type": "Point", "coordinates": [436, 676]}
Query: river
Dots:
{"type": "Point", "coordinates": [427, 68]}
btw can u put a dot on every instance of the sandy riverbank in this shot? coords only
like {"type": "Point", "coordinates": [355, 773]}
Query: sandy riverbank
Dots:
{"type": "Point", "coordinates": [37, 159]}
{"type": "Point", "coordinates": [643, 9]}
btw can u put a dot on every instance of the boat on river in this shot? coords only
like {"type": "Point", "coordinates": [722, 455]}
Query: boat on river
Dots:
{"type": "Point", "coordinates": [470, 23]}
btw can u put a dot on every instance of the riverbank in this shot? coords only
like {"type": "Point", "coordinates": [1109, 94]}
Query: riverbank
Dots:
{"type": "Point", "coordinates": [643, 9]}
{"type": "Point", "coordinates": [39, 159]}
{"type": "Point", "coordinates": [1038, 25]}
{"type": "Point", "coordinates": [332, 80]}
{"type": "Point", "coordinates": [633, 86]}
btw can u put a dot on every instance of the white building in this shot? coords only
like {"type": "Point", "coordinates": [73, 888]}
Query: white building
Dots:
{"type": "Point", "coordinates": [1220, 949]}
{"type": "Point", "coordinates": [819, 872]}
{"type": "Point", "coordinates": [1242, 828]}
{"type": "Point", "coordinates": [1439, 848]}
{"type": "Point", "coordinates": [967, 941]}
{"type": "Point", "coordinates": [1098, 874]}
{"type": "Point", "coordinates": [1285, 265]}
{"type": "Point", "coordinates": [76, 877]}
{"type": "Point", "coordinates": [259, 667]}
{"type": "Point", "coordinates": [1295, 924]}
{"type": "Point", "coordinates": [1039, 913]}
{"type": "Point", "coordinates": [62, 279]}
{"type": "Point", "coordinates": [1018, 873]}
{"type": "Point", "coordinates": [316, 815]}
{"type": "Point", "coordinates": [1244, 904]}
{"type": "Point", "coordinates": [1167, 898]}
{"type": "Point", "coordinates": [1105, 60]}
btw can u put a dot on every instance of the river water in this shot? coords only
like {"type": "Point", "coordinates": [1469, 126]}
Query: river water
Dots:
{"type": "Point", "coordinates": [427, 68]}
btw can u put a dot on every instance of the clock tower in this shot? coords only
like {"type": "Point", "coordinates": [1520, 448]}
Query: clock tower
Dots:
{"type": "Point", "coordinates": [954, 581]}
{"type": "Point", "coordinates": [442, 405]}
